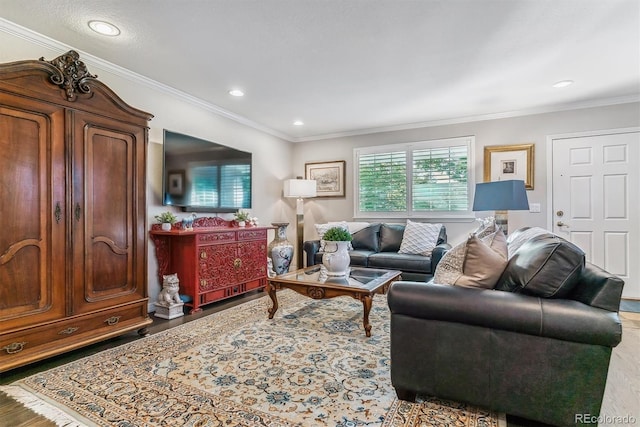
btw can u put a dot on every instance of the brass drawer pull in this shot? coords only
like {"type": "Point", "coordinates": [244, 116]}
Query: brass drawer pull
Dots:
{"type": "Point", "coordinates": [14, 347]}
{"type": "Point", "coordinates": [237, 263]}
{"type": "Point", "coordinates": [78, 211]}
{"type": "Point", "coordinates": [112, 320]}
{"type": "Point", "coordinates": [68, 331]}
{"type": "Point", "coordinates": [203, 255]}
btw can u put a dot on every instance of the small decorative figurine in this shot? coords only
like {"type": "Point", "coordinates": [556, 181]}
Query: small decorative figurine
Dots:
{"type": "Point", "coordinates": [169, 304]}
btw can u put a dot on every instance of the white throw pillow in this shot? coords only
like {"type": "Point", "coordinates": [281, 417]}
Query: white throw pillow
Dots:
{"type": "Point", "coordinates": [520, 237]}
{"type": "Point", "coordinates": [419, 238]}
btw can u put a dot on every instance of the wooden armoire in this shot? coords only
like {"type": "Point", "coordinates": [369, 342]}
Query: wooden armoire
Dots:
{"type": "Point", "coordinates": [73, 239]}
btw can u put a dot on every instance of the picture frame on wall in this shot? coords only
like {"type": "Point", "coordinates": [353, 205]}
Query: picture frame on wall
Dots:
{"type": "Point", "coordinates": [329, 176]}
{"type": "Point", "coordinates": [175, 183]}
{"type": "Point", "coordinates": [504, 162]}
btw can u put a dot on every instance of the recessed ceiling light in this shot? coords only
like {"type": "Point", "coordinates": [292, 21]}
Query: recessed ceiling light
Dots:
{"type": "Point", "coordinates": [298, 123]}
{"type": "Point", "coordinates": [236, 92]}
{"type": "Point", "coordinates": [563, 83]}
{"type": "Point", "coordinates": [104, 28]}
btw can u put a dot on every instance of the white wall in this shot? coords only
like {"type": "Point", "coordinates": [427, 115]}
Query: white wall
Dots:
{"type": "Point", "coordinates": [271, 155]}
{"type": "Point", "coordinates": [508, 131]}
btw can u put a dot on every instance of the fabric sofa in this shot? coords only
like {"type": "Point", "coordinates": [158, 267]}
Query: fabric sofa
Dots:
{"type": "Point", "coordinates": [544, 358]}
{"type": "Point", "coordinates": [377, 246]}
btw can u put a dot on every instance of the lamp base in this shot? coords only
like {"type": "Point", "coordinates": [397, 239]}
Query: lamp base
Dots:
{"type": "Point", "coordinates": [502, 221]}
{"type": "Point", "coordinates": [300, 241]}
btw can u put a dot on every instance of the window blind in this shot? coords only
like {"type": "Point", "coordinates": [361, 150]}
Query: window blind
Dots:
{"type": "Point", "coordinates": [439, 179]}
{"type": "Point", "coordinates": [382, 178]}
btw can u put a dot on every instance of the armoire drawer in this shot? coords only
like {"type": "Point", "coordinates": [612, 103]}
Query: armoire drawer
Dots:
{"type": "Point", "coordinates": [75, 329]}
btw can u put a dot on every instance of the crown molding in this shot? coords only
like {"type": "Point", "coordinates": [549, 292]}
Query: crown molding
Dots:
{"type": "Point", "coordinates": [89, 59]}
{"type": "Point", "coordinates": [478, 118]}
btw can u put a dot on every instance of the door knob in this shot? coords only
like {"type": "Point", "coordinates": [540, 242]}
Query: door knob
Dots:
{"type": "Point", "coordinates": [561, 224]}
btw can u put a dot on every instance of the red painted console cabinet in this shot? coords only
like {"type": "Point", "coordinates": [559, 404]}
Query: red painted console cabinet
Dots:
{"type": "Point", "coordinates": [214, 261]}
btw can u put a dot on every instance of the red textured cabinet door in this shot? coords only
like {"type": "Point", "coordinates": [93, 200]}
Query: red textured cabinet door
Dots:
{"type": "Point", "coordinates": [252, 264]}
{"type": "Point", "coordinates": [230, 264]}
{"type": "Point", "coordinates": [216, 269]}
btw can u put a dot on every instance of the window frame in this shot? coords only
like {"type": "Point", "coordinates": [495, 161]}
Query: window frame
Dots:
{"type": "Point", "coordinates": [408, 148]}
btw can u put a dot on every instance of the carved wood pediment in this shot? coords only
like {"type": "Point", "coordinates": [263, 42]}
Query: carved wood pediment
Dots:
{"type": "Point", "coordinates": [72, 74]}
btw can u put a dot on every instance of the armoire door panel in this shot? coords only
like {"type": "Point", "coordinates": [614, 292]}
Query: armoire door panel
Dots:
{"type": "Point", "coordinates": [106, 241]}
{"type": "Point", "coordinates": [33, 243]}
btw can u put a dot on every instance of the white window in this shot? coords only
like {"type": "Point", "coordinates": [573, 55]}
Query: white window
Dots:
{"type": "Point", "coordinates": [427, 179]}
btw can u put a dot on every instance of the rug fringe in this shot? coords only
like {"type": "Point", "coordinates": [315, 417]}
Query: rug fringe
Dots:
{"type": "Point", "coordinates": [41, 407]}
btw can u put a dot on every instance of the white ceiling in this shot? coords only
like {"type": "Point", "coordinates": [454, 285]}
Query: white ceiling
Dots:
{"type": "Point", "coordinates": [357, 66]}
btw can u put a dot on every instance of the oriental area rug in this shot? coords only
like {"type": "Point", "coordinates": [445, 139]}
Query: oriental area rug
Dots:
{"type": "Point", "coordinates": [311, 365]}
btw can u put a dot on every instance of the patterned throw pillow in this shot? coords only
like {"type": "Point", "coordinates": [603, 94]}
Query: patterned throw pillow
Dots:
{"type": "Point", "coordinates": [488, 227]}
{"type": "Point", "coordinates": [323, 228]}
{"type": "Point", "coordinates": [419, 238]}
{"type": "Point", "coordinates": [475, 263]}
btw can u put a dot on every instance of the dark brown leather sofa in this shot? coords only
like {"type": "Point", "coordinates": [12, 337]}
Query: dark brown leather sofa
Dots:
{"type": "Point", "coordinates": [544, 359]}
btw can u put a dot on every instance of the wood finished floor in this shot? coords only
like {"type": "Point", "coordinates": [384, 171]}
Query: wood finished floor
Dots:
{"type": "Point", "coordinates": [622, 394]}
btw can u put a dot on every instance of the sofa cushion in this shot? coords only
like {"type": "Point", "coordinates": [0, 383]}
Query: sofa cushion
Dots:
{"type": "Point", "coordinates": [474, 263]}
{"type": "Point", "coordinates": [403, 262]}
{"type": "Point", "coordinates": [419, 238]}
{"type": "Point", "coordinates": [546, 266]}
{"type": "Point", "coordinates": [360, 257]}
{"type": "Point", "coordinates": [367, 238]}
{"type": "Point", "coordinates": [391, 237]}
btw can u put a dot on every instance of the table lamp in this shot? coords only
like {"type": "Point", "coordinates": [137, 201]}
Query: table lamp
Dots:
{"type": "Point", "coordinates": [501, 197]}
{"type": "Point", "coordinates": [300, 189]}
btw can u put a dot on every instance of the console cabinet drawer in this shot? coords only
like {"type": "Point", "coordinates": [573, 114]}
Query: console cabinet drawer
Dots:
{"type": "Point", "coordinates": [71, 333]}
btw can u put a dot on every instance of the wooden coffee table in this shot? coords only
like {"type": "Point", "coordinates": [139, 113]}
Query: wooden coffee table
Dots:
{"type": "Point", "coordinates": [361, 284]}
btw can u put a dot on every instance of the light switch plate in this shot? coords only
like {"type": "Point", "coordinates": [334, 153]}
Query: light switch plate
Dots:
{"type": "Point", "coordinates": [534, 207]}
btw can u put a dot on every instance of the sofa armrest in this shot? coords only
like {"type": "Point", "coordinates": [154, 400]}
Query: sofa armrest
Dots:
{"type": "Point", "coordinates": [553, 318]}
{"type": "Point", "coordinates": [311, 248]}
{"type": "Point", "coordinates": [437, 254]}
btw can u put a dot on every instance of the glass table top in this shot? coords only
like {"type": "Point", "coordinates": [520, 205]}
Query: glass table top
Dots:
{"type": "Point", "coordinates": [358, 277]}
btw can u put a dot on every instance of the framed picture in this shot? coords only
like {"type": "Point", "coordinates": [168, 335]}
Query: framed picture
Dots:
{"type": "Point", "coordinates": [503, 162]}
{"type": "Point", "coordinates": [329, 176]}
{"type": "Point", "coordinates": [175, 183]}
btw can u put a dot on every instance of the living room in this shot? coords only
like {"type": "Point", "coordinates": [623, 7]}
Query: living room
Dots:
{"type": "Point", "coordinates": [278, 155]}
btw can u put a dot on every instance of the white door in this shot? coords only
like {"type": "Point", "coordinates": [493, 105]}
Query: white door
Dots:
{"type": "Point", "coordinates": [596, 199]}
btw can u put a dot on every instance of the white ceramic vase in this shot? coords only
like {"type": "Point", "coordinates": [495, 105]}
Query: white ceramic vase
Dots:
{"type": "Point", "coordinates": [166, 226]}
{"type": "Point", "coordinates": [336, 258]}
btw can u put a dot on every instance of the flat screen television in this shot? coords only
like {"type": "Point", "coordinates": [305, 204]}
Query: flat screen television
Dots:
{"type": "Point", "coordinates": [203, 176]}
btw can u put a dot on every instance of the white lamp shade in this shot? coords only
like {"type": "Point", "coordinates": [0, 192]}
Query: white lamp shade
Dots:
{"type": "Point", "coordinates": [300, 188]}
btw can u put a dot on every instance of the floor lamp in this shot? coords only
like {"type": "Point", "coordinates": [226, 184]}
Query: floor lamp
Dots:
{"type": "Point", "coordinates": [501, 196]}
{"type": "Point", "coordinates": [300, 189]}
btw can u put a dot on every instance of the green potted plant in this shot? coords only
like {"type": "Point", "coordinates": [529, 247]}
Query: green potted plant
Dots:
{"type": "Point", "coordinates": [336, 251]}
{"type": "Point", "coordinates": [337, 234]}
{"type": "Point", "coordinates": [242, 217]}
{"type": "Point", "coordinates": [167, 219]}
